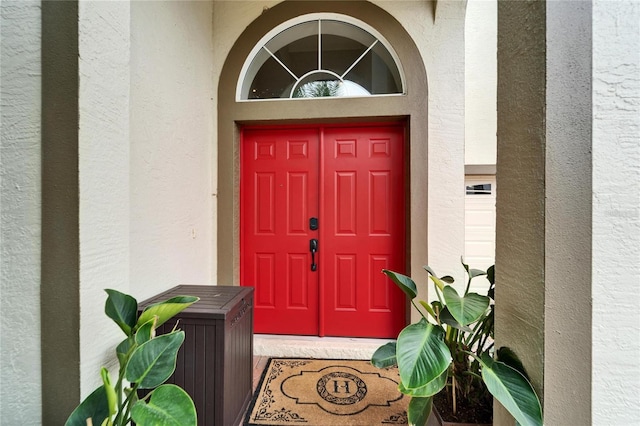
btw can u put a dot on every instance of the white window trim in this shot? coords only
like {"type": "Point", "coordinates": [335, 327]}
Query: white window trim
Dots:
{"type": "Point", "coordinates": [315, 17]}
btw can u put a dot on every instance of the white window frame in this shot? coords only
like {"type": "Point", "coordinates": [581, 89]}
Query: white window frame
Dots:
{"type": "Point", "coordinates": [240, 86]}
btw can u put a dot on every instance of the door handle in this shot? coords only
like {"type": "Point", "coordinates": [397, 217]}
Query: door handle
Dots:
{"type": "Point", "coordinates": [313, 248]}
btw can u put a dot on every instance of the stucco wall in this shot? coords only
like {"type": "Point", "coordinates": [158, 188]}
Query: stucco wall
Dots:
{"type": "Point", "coordinates": [443, 50]}
{"type": "Point", "coordinates": [480, 32]}
{"type": "Point", "coordinates": [172, 145]}
{"type": "Point", "coordinates": [567, 323]}
{"type": "Point", "coordinates": [103, 168]}
{"type": "Point", "coordinates": [616, 212]}
{"type": "Point", "coordinates": [441, 43]}
{"type": "Point", "coordinates": [20, 193]}
{"type": "Point", "coordinates": [543, 206]}
{"type": "Point", "coordinates": [520, 232]}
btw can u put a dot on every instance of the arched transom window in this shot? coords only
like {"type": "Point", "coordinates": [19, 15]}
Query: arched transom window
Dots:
{"type": "Point", "coordinates": [320, 55]}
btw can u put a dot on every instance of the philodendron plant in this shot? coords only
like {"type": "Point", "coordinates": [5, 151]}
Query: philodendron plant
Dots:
{"type": "Point", "coordinates": [146, 362]}
{"type": "Point", "coordinates": [451, 348]}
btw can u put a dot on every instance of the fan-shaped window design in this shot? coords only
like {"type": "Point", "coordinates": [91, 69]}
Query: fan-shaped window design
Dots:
{"type": "Point", "coordinates": [320, 55]}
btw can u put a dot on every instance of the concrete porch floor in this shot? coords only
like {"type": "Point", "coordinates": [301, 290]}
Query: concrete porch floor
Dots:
{"type": "Point", "coordinates": [284, 346]}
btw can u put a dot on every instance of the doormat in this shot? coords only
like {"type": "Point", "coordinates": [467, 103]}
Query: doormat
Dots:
{"type": "Point", "coordinates": [323, 392]}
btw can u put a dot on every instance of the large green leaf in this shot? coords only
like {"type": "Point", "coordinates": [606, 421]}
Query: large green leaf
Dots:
{"type": "Point", "coordinates": [385, 356]}
{"type": "Point", "coordinates": [419, 411]}
{"type": "Point", "coordinates": [406, 284]}
{"type": "Point", "coordinates": [169, 406]}
{"type": "Point", "coordinates": [447, 318]}
{"type": "Point", "coordinates": [153, 362]}
{"type": "Point", "coordinates": [512, 390]}
{"type": "Point", "coordinates": [465, 309]}
{"type": "Point", "coordinates": [121, 308]}
{"type": "Point", "coordinates": [422, 354]}
{"type": "Point", "coordinates": [95, 407]}
{"type": "Point", "coordinates": [166, 310]}
{"type": "Point", "coordinates": [430, 389]}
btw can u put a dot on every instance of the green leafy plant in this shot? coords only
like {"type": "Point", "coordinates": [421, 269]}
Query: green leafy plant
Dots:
{"type": "Point", "coordinates": [146, 362]}
{"type": "Point", "coordinates": [451, 350]}
{"type": "Point", "coordinates": [318, 89]}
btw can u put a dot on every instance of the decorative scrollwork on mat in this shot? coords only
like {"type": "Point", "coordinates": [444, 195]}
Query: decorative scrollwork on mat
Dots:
{"type": "Point", "coordinates": [281, 415]}
{"type": "Point", "coordinates": [396, 419]}
{"type": "Point", "coordinates": [265, 412]}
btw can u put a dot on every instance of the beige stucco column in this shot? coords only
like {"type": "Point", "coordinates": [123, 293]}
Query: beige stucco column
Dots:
{"type": "Point", "coordinates": [543, 244]}
{"type": "Point", "coordinates": [85, 195]}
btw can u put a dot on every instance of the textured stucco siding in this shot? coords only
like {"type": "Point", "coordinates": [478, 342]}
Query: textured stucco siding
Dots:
{"type": "Point", "coordinates": [172, 116]}
{"type": "Point", "coordinates": [520, 233]}
{"type": "Point", "coordinates": [441, 43]}
{"type": "Point", "coordinates": [480, 39]}
{"type": "Point", "coordinates": [567, 322]}
{"type": "Point", "coordinates": [145, 125]}
{"type": "Point", "coordinates": [444, 54]}
{"type": "Point", "coordinates": [616, 212]}
{"type": "Point", "coordinates": [20, 193]}
{"type": "Point", "coordinates": [103, 167]}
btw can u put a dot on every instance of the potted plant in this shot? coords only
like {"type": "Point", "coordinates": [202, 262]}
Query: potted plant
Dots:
{"type": "Point", "coordinates": [146, 362]}
{"type": "Point", "coordinates": [449, 354]}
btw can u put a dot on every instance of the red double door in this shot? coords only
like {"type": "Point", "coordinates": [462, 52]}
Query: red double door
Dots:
{"type": "Point", "coordinates": [322, 213]}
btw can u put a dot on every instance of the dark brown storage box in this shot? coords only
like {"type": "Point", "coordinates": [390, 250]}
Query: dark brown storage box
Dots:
{"type": "Point", "coordinates": [214, 364]}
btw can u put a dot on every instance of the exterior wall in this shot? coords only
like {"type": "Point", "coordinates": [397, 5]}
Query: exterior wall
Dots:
{"type": "Point", "coordinates": [172, 116]}
{"type": "Point", "coordinates": [442, 48]}
{"type": "Point", "coordinates": [230, 19]}
{"type": "Point", "coordinates": [440, 41]}
{"type": "Point", "coordinates": [103, 162]}
{"type": "Point", "coordinates": [440, 163]}
{"type": "Point", "coordinates": [60, 267]}
{"type": "Point", "coordinates": [567, 257]}
{"type": "Point", "coordinates": [20, 218]}
{"type": "Point", "coordinates": [520, 215]}
{"type": "Point", "coordinates": [616, 212]}
{"type": "Point", "coordinates": [481, 33]}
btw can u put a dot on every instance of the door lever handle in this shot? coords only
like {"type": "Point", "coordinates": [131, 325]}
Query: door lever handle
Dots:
{"type": "Point", "coordinates": [313, 248]}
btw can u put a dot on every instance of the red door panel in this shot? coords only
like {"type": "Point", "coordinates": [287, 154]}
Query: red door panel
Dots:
{"type": "Point", "coordinates": [279, 192]}
{"type": "Point", "coordinates": [363, 233]}
{"type": "Point", "coordinates": [357, 176]}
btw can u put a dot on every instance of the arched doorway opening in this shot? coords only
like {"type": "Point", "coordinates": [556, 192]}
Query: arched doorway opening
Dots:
{"type": "Point", "coordinates": [404, 107]}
